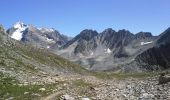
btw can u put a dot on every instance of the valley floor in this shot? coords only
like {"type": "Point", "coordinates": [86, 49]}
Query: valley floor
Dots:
{"type": "Point", "coordinates": [76, 87]}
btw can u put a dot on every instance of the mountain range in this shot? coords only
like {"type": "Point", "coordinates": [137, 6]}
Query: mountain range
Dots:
{"type": "Point", "coordinates": [110, 50]}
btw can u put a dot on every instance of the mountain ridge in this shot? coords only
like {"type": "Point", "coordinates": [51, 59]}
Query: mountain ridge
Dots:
{"type": "Point", "coordinates": [109, 50]}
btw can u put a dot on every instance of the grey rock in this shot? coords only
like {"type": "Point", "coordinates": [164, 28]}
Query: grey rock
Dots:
{"type": "Point", "coordinates": [66, 97]}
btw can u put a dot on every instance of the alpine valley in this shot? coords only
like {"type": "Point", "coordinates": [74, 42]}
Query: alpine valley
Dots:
{"type": "Point", "coordinates": [120, 51]}
{"type": "Point", "coordinates": [44, 64]}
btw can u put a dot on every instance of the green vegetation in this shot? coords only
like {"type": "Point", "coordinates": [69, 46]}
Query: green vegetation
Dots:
{"type": "Point", "coordinates": [26, 58]}
{"type": "Point", "coordinates": [82, 88]}
{"type": "Point", "coordinates": [22, 58]}
{"type": "Point", "coordinates": [111, 75]}
{"type": "Point", "coordinates": [45, 57]}
{"type": "Point", "coordinates": [0, 32]}
{"type": "Point", "coordinates": [10, 88]}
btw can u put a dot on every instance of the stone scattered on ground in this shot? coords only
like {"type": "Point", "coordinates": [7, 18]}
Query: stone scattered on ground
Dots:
{"type": "Point", "coordinates": [66, 97]}
{"type": "Point", "coordinates": [42, 89]}
{"type": "Point", "coordinates": [85, 99]}
{"type": "Point", "coordinates": [26, 93]}
{"type": "Point", "coordinates": [119, 89]}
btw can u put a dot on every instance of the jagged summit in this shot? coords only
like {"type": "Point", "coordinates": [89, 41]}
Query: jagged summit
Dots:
{"type": "Point", "coordinates": [18, 30]}
{"type": "Point", "coordinates": [143, 35]}
{"type": "Point", "coordinates": [87, 34]}
{"type": "Point", "coordinates": [107, 50]}
{"type": "Point", "coordinates": [19, 24]}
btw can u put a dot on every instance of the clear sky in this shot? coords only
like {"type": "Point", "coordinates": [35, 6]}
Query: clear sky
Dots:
{"type": "Point", "coordinates": [72, 16]}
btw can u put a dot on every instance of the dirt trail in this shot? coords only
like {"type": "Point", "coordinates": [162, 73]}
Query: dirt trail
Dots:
{"type": "Point", "coordinates": [52, 96]}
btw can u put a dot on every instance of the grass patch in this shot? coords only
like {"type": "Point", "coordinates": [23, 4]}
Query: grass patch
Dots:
{"type": "Point", "coordinates": [111, 75]}
{"type": "Point", "coordinates": [9, 87]}
{"type": "Point", "coordinates": [81, 87]}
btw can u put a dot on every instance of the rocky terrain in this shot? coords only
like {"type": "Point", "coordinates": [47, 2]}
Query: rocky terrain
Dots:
{"type": "Point", "coordinates": [118, 89]}
{"type": "Point", "coordinates": [157, 55]}
{"type": "Point", "coordinates": [76, 87]}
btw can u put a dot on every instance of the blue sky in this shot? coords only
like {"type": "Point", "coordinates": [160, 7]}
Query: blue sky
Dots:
{"type": "Point", "coordinates": [72, 16]}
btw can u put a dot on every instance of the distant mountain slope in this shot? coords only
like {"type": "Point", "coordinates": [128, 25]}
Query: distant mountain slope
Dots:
{"type": "Point", "coordinates": [26, 62]}
{"type": "Point", "coordinates": [109, 50]}
{"type": "Point", "coordinates": [42, 37]}
{"type": "Point", "coordinates": [157, 57]}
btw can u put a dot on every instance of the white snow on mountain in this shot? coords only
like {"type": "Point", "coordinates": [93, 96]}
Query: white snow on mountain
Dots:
{"type": "Point", "coordinates": [107, 50]}
{"type": "Point", "coordinates": [48, 47]}
{"type": "Point", "coordinates": [50, 40]}
{"type": "Point", "coordinates": [18, 25]}
{"type": "Point", "coordinates": [144, 43]}
{"type": "Point", "coordinates": [46, 30]}
{"type": "Point", "coordinates": [19, 29]}
{"type": "Point", "coordinates": [91, 53]}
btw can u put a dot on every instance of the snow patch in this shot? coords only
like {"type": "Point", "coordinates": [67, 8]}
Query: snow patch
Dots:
{"type": "Point", "coordinates": [19, 25]}
{"type": "Point", "coordinates": [48, 47]}
{"type": "Point", "coordinates": [46, 30]}
{"type": "Point", "coordinates": [91, 54]}
{"type": "Point", "coordinates": [144, 43]}
{"type": "Point", "coordinates": [107, 50]}
{"type": "Point", "coordinates": [18, 33]}
{"type": "Point", "coordinates": [50, 40]}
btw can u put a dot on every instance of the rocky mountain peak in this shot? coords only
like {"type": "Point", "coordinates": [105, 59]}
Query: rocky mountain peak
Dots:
{"type": "Point", "coordinates": [41, 37]}
{"type": "Point", "coordinates": [83, 37]}
{"type": "Point", "coordinates": [109, 30]}
{"type": "Point", "coordinates": [19, 25]}
{"type": "Point", "coordinates": [107, 33]}
{"type": "Point", "coordinates": [124, 31]}
{"type": "Point", "coordinates": [164, 37]}
{"type": "Point", "coordinates": [143, 35]}
{"type": "Point", "coordinates": [17, 30]}
{"type": "Point", "coordinates": [87, 34]}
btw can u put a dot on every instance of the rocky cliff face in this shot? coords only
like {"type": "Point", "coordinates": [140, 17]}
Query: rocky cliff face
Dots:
{"type": "Point", "coordinates": [83, 42]}
{"type": "Point", "coordinates": [143, 35]}
{"type": "Point", "coordinates": [157, 57]}
{"type": "Point", "coordinates": [109, 50]}
{"type": "Point", "coordinates": [113, 39]}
